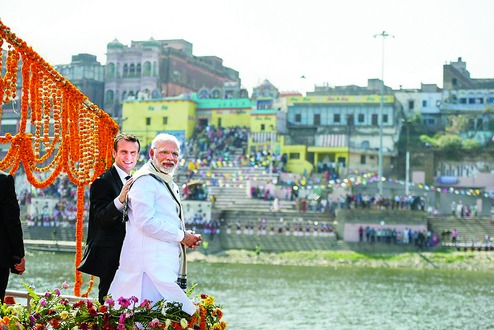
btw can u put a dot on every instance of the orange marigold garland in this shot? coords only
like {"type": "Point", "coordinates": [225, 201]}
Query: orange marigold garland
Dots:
{"type": "Point", "coordinates": [82, 137]}
{"type": "Point", "coordinates": [78, 234]}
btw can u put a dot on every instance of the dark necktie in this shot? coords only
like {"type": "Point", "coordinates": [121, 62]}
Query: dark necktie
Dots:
{"type": "Point", "coordinates": [127, 177]}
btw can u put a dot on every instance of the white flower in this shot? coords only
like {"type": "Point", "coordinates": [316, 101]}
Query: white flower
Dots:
{"type": "Point", "coordinates": [184, 323]}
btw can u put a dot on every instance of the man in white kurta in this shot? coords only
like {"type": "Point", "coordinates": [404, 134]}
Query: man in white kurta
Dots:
{"type": "Point", "coordinates": [151, 251]}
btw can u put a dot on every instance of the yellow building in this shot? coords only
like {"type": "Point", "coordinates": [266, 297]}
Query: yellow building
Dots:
{"type": "Point", "coordinates": [224, 112]}
{"type": "Point", "coordinates": [146, 118]}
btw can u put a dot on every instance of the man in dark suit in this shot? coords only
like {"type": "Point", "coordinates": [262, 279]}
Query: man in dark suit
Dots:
{"type": "Point", "coordinates": [106, 229]}
{"type": "Point", "coordinates": [11, 241]}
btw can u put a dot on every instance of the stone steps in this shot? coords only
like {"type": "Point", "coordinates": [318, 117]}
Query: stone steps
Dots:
{"type": "Point", "coordinates": [468, 228]}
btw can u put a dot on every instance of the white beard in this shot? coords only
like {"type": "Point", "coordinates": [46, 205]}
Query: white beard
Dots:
{"type": "Point", "coordinates": [168, 170]}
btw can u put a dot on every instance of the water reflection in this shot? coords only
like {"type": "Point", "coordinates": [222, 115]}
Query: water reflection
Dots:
{"type": "Point", "coordinates": [296, 297]}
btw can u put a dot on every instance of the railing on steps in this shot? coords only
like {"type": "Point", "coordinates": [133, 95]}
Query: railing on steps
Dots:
{"type": "Point", "coordinates": [26, 298]}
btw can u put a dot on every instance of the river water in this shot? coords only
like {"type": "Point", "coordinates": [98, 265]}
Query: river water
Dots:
{"type": "Point", "coordinates": [313, 297]}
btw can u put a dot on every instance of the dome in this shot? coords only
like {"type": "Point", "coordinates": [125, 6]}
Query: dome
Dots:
{"type": "Point", "coordinates": [151, 43]}
{"type": "Point", "coordinates": [115, 44]}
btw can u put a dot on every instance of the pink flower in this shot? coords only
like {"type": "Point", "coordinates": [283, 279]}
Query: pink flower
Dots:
{"type": "Point", "coordinates": [42, 302]}
{"type": "Point", "coordinates": [134, 299]}
{"type": "Point", "coordinates": [65, 285]}
{"type": "Point", "coordinates": [57, 291]}
{"type": "Point", "coordinates": [110, 302]}
{"type": "Point", "coordinates": [124, 302]}
{"type": "Point", "coordinates": [145, 303]}
{"type": "Point", "coordinates": [154, 323]}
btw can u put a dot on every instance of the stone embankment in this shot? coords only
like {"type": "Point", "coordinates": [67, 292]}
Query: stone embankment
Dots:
{"type": "Point", "coordinates": [444, 260]}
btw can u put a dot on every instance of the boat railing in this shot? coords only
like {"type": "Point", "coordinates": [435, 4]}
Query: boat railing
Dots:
{"type": "Point", "coordinates": [24, 297]}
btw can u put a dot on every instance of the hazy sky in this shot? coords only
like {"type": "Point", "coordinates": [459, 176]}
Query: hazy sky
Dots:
{"type": "Point", "coordinates": [328, 42]}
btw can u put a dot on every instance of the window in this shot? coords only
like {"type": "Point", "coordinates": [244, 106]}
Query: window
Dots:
{"type": "Point", "coordinates": [147, 69]}
{"type": "Point", "coordinates": [317, 119]}
{"type": "Point", "coordinates": [361, 118]}
{"type": "Point", "coordinates": [350, 120]}
{"type": "Point", "coordinates": [410, 105]}
{"type": "Point", "coordinates": [132, 70]}
{"type": "Point", "coordinates": [362, 159]}
{"type": "Point", "coordinates": [298, 118]}
{"type": "Point", "coordinates": [337, 118]}
{"type": "Point", "coordinates": [263, 127]}
{"type": "Point", "coordinates": [424, 103]}
{"type": "Point", "coordinates": [374, 119]}
{"type": "Point", "coordinates": [148, 121]}
{"type": "Point", "coordinates": [385, 118]}
{"type": "Point", "coordinates": [109, 97]}
{"type": "Point", "coordinates": [165, 120]}
{"type": "Point", "coordinates": [294, 155]}
{"type": "Point", "coordinates": [110, 70]}
{"type": "Point", "coordinates": [342, 161]}
{"type": "Point", "coordinates": [125, 70]}
{"type": "Point", "coordinates": [138, 69]}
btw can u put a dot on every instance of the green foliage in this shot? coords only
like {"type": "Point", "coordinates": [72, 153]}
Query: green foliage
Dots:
{"type": "Point", "coordinates": [428, 140]}
{"type": "Point", "coordinates": [470, 144]}
{"type": "Point", "coordinates": [457, 124]}
{"type": "Point", "coordinates": [449, 142]}
{"type": "Point", "coordinates": [452, 142]}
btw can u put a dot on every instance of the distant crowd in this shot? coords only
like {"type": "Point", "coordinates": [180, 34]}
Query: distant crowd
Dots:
{"type": "Point", "coordinates": [389, 235]}
{"type": "Point", "coordinates": [297, 227]}
{"type": "Point", "coordinates": [63, 213]}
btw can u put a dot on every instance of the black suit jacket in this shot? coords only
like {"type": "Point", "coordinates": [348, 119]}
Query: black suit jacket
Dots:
{"type": "Point", "coordinates": [11, 242]}
{"type": "Point", "coordinates": [106, 229]}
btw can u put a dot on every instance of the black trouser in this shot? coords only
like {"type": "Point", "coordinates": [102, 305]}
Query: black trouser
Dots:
{"type": "Point", "coordinates": [103, 287]}
{"type": "Point", "coordinates": [4, 280]}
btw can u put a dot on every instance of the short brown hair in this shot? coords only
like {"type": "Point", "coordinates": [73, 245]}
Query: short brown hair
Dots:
{"type": "Point", "coordinates": [127, 137]}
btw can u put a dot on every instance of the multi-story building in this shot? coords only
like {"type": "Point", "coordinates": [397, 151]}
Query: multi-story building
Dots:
{"type": "Point", "coordinates": [155, 69]}
{"type": "Point", "coordinates": [181, 115]}
{"type": "Point", "coordinates": [463, 95]}
{"type": "Point", "coordinates": [339, 128]}
{"type": "Point", "coordinates": [423, 103]}
{"type": "Point", "coordinates": [473, 100]}
{"type": "Point", "coordinates": [87, 74]}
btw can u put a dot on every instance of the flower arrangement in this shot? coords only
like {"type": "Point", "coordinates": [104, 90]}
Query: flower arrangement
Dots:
{"type": "Point", "coordinates": [53, 311]}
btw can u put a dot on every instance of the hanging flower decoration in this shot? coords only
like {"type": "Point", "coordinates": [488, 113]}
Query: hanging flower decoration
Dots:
{"type": "Point", "coordinates": [60, 130]}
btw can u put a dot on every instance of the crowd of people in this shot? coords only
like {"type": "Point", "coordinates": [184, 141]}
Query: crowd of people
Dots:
{"type": "Point", "coordinates": [420, 238]}
{"type": "Point", "coordinates": [297, 227]}
{"type": "Point", "coordinates": [61, 213]}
